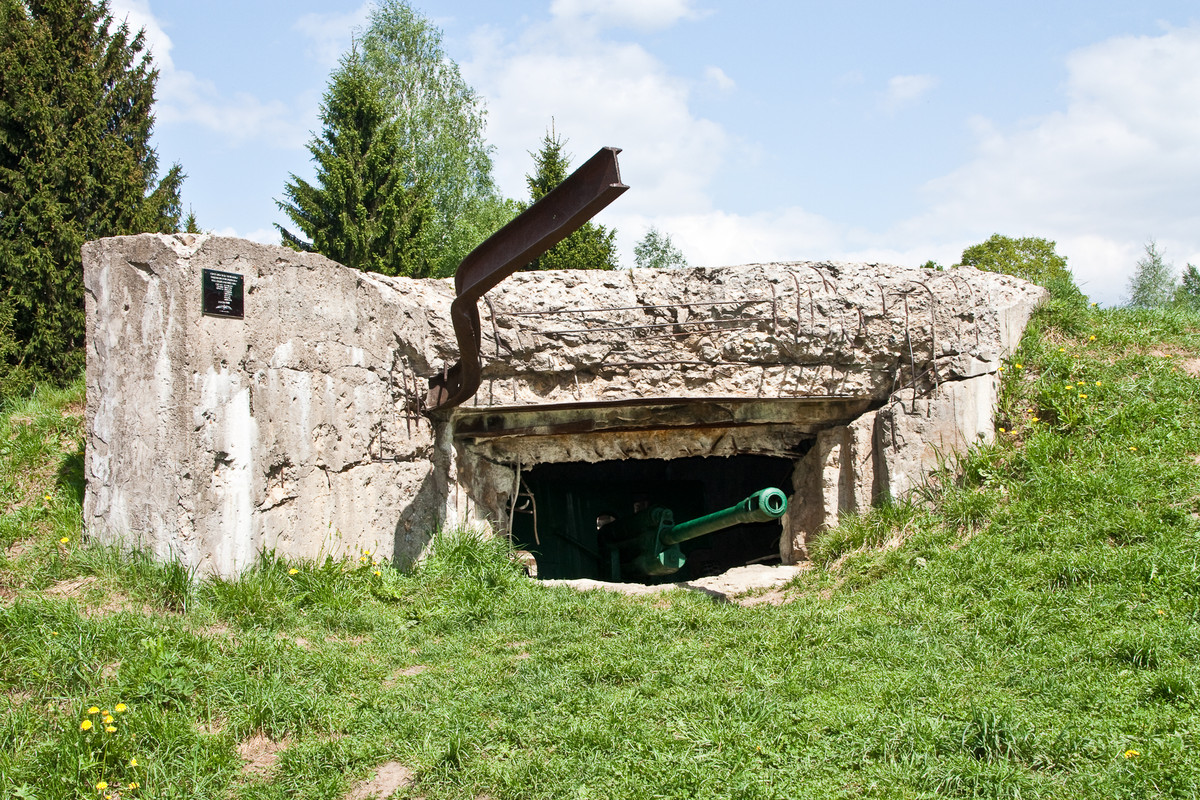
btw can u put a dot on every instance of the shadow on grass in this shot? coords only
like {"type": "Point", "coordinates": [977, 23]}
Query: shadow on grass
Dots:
{"type": "Point", "coordinates": [70, 475]}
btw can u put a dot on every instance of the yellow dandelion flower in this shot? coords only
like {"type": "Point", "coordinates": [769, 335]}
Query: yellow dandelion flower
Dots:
{"type": "Point", "coordinates": [101, 786]}
{"type": "Point", "coordinates": [133, 762]}
{"type": "Point", "coordinates": [64, 540]}
{"type": "Point", "coordinates": [54, 633]}
{"type": "Point", "coordinates": [1062, 349]}
{"type": "Point", "coordinates": [134, 785]}
{"type": "Point", "coordinates": [1132, 448]}
{"type": "Point", "coordinates": [109, 729]}
{"type": "Point", "coordinates": [1033, 419]}
{"type": "Point", "coordinates": [86, 725]}
{"type": "Point", "coordinates": [1160, 611]}
{"type": "Point", "coordinates": [1083, 397]}
{"type": "Point", "coordinates": [1019, 366]}
{"type": "Point", "coordinates": [1091, 338]}
{"type": "Point", "coordinates": [108, 719]}
{"type": "Point", "coordinates": [93, 710]}
{"type": "Point", "coordinates": [1132, 754]}
{"type": "Point", "coordinates": [120, 708]}
{"type": "Point", "coordinates": [1098, 383]}
{"type": "Point", "coordinates": [1002, 369]}
{"type": "Point", "coordinates": [377, 572]}
{"type": "Point", "coordinates": [47, 497]}
{"type": "Point", "coordinates": [293, 571]}
{"type": "Point", "coordinates": [1002, 430]}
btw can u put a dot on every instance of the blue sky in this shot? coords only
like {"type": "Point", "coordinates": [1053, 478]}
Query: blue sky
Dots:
{"type": "Point", "coordinates": [752, 131]}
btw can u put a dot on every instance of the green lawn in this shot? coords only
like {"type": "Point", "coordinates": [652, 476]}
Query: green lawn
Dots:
{"type": "Point", "coordinates": [1035, 633]}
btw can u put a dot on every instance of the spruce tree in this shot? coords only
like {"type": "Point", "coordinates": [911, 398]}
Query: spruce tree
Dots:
{"type": "Point", "coordinates": [1188, 291]}
{"type": "Point", "coordinates": [592, 246]}
{"type": "Point", "coordinates": [76, 90]}
{"type": "Point", "coordinates": [366, 210]}
{"type": "Point", "coordinates": [1152, 284]}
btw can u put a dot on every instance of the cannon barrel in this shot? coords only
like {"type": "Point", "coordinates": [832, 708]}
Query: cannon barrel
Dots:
{"type": "Point", "coordinates": [650, 539]}
{"type": "Point", "coordinates": [762, 506]}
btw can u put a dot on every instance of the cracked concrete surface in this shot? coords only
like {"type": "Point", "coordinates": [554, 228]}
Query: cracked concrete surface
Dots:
{"type": "Point", "coordinates": [298, 428]}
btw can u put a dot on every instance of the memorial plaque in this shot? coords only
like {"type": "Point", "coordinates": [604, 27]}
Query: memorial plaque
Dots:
{"type": "Point", "coordinates": [223, 293]}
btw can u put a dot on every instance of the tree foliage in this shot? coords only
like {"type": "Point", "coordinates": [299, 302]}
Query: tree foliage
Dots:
{"type": "Point", "coordinates": [657, 251]}
{"type": "Point", "coordinates": [366, 210]}
{"type": "Point", "coordinates": [1152, 284]}
{"type": "Point", "coordinates": [440, 123]}
{"type": "Point", "coordinates": [76, 91]}
{"type": "Point", "coordinates": [591, 246]}
{"type": "Point", "coordinates": [1188, 291]}
{"type": "Point", "coordinates": [1031, 258]}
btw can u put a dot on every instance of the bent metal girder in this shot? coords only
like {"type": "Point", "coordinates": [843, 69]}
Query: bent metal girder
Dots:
{"type": "Point", "coordinates": [541, 226]}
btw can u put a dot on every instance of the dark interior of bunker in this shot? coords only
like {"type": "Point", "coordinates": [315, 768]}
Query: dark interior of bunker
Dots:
{"type": "Point", "coordinates": [583, 520]}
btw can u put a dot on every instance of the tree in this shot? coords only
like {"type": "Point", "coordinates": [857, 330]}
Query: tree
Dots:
{"type": "Point", "coordinates": [190, 223]}
{"type": "Point", "coordinates": [1188, 291]}
{"type": "Point", "coordinates": [591, 246]}
{"type": "Point", "coordinates": [365, 211]}
{"type": "Point", "coordinates": [440, 123]}
{"type": "Point", "coordinates": [657, 251]}
{"type": "Point", "coordinates": [1152, 284]}
{"type": "Point", "coordinates": [76, 91]}
{"type": "Point", "coordinates": [1031, 258]}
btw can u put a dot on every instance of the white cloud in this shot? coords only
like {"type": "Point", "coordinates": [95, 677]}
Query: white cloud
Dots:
{"type": "Point", "coordinates": [718, 238]}
{"type": "Point", "coordinates": [262, 235]}
{"type": "Point", "coordinates": [598, 93]}
{"type": "Point", "coordinates": [1118, 165]}
{"type": "Point", "coordinates": [181, 98]}
{"type": "Point", "coordinates": [854, 77]}
{"type": "Point", "coordinates": [329, 35]}
{"type": "Point", "coordinates": [642, 15]}
{"type": "Point", "coordinates": [184, 99]}
{"type": "Point", "coordinates": [905, 89]}
{"type": "Point", "coordinates": [137, 13]}
{"type": "Point", "coordinates": [717, 77]}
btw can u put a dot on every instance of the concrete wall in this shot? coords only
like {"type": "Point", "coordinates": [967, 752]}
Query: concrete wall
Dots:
{"type": "Point", "coordinates": [298, 428]}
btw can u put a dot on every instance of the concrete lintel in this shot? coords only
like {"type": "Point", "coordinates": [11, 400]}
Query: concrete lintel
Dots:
{"type": "Point", "coordinates": [808, 414]}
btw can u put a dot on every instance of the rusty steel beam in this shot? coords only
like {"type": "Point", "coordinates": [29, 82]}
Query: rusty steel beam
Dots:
{"type": "Point", "coordinates": [541, 226]}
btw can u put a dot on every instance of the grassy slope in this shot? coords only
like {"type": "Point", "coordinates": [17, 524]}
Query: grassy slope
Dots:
{"type": "Point", "coordinates": [1034, 634]}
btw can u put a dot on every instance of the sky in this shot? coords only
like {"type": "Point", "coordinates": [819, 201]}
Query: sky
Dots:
{"type": "Point", "coordinates": [893, 132]}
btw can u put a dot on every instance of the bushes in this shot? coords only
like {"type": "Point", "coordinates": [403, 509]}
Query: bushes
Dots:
{"type": "Point", "coordinates": [1031, 258]}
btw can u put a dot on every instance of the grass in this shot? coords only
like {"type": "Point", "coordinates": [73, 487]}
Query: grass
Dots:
{"type": "Point", "coordinates": [1028, 626]}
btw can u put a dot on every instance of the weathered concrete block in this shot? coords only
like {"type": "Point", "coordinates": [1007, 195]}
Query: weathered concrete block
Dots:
{"type": "Point", "coordinates": [300, 429]}
{"type": "Point", "coordinates": [211, 439]}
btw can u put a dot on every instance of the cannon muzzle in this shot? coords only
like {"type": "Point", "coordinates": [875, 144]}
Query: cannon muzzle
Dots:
{"type": "Point", "coordinates": [762, 506]}
{"type": "Point", "coordinates": [649, 542]}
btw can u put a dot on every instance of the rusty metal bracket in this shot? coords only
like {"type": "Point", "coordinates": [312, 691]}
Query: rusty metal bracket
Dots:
{"type": "Point", "coordinates": [541, 226]}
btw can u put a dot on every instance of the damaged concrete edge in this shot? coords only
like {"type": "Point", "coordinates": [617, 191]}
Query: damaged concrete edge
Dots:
{"type": "Point", "coordinates": [298, 429]}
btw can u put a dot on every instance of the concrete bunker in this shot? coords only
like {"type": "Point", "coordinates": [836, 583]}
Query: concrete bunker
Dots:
{"type": "Point", "coordinates": [300, 427]}
{"type": "Point", "coordinates": [582, 473]}
{"type": "Point", "coordinates": [564, 512]}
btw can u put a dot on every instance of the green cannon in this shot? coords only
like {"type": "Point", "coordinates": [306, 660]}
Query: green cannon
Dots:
{"type": "Point", "coordinates": [648, 542]}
